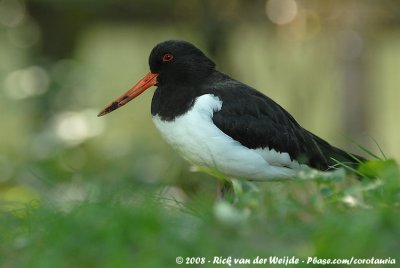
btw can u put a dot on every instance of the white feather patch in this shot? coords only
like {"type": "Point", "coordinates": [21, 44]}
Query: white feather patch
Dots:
{"type": "Point", "coordinates": [200, 141]}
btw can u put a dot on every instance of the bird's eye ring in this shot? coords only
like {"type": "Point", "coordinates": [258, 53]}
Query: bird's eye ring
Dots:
{"type": "Point", "coordinates": [167, 57]}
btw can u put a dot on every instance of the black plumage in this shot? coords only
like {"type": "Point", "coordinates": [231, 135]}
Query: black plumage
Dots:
{"type": "Point", "coordinates": [256, 121]}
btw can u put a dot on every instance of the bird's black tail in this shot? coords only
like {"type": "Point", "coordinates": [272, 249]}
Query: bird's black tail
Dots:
{"type": "Point", "coordinates": [328, 157]}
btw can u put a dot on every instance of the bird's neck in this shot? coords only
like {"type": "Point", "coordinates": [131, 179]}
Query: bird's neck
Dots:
{"type": "Point", "coordinates": [174, 99]}
{"type": "Point", "coordinates": [171, 101]}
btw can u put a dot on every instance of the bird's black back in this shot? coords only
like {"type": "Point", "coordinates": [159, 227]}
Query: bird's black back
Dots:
{"type": "Point", "coordinates": [256, 121]}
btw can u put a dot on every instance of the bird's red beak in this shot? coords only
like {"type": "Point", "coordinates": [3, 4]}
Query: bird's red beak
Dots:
{"type": "Point", "coordinates": [147, 81]}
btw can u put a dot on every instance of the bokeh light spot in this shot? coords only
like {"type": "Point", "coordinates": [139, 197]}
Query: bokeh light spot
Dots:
{"type": "Point", "coordinates": [25, 35]}
{"type": "Point", "coordinates": [75, 127]}
{"type": "Point", "coordinates": [26, 83]}
{"type": "Point", "coordinates": [12, 12]}
{"type": "Point", "coordinates": [281, 11]}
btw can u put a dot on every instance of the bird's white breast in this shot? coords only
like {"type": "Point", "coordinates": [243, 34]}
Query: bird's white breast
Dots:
{"type": "Point", "coordinates": [200, 141]}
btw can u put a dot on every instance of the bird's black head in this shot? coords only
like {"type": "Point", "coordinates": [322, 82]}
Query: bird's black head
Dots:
{"type": "Point", "coordinates": [171, 63]}
{"type": "Point", "coordinates": [179, 62]}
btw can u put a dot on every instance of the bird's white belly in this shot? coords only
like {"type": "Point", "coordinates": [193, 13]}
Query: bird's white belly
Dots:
{"type": "Point", "coordinates": [200, 141]}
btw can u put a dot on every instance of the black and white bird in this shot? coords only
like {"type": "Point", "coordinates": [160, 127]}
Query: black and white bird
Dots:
{"type": "Point", "coordinates": [219, 122]}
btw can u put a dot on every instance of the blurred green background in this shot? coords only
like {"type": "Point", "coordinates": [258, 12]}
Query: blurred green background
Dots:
{"type": "Point", "coordinates": [333, 64]}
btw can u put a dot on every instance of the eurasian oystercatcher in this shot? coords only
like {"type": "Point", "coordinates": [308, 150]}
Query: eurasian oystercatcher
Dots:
{"type": "Point", "coordinates": [219, 122]}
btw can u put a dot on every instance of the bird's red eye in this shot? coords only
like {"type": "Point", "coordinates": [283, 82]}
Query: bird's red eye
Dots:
{"type": "Point", "coordinates": [167, 57]}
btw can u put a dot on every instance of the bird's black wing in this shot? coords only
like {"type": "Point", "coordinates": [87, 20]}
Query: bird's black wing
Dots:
{"type": "Point", "coordinates": [256, 121]}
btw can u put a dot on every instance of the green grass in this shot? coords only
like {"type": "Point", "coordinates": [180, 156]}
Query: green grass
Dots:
{"type": "Point", "coordinates": [120, 225]}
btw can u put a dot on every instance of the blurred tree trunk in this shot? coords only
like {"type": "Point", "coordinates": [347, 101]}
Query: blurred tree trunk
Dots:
{"type": "Point", "coordinates": [355, 86]}
{"type": "Point", "coordinates": [355, 91]}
